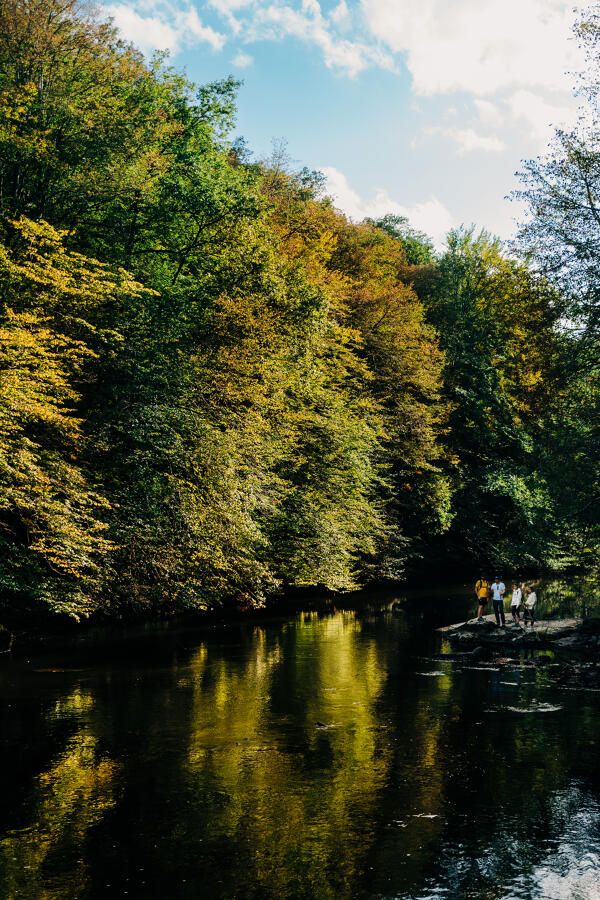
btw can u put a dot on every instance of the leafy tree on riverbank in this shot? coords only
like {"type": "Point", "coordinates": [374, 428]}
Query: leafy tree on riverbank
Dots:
{"type": "Point", "coordinates": [54, 325]}
{"type": "Point", "coordinates": [561, 237]}
{"type": "Point", "coordinates": [497, 323]}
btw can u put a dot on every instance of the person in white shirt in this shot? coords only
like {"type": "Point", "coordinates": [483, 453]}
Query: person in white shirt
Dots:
{"type": "Point", "coordinates": [515, 603]}
{"type": "Point", "coordinates": [530, 602]}
{"type": "Point", "coordinates": [498, 589]}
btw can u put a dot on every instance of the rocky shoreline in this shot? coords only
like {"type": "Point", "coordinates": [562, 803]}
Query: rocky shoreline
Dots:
{"type": "Point", "coordinates": [568, 635]}
{"type": "Point", "coordinates": [574, 663]}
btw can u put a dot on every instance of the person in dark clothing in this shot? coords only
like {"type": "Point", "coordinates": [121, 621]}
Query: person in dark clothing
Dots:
{"type": "Point", "coordinates": [498, 590]}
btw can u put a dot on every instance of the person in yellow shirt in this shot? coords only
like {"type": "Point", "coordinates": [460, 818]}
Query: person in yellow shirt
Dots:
{"type": "Point", "coordinates": [482, 592]}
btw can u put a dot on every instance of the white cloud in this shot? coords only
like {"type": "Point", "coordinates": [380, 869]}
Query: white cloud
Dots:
{"type": "Point", "coordinates": [275, 21]}
{"type": "Point", "coordinates": [146, 32]}
{"type": "Point", "coordinates": [468, 140]}
{"type": "Point", "coordinates": [191, 29]}
{"type": "Point", "coordinates": [540, 115]}
{"type": "Point", "coordinates": [531, 114]}
{"type": "Point", "coordinates": [489, 113]}
{"type": "Point", "coordinates": [340, 15]}
{"type": "Point", "coordinates": [482, 47]}
{"type": "Point", "coordinates": [429, 216]}
{"type": "Point", "coordinates": [242, 60]}
{"type": "Point", "coordinates": [162, 25]}
{"type": "Point", "coordinates": [260, 20]}
{"type": "Point", "coordinates": [477, 46]}
{"type": "Point", "coordinates": [228, 8]}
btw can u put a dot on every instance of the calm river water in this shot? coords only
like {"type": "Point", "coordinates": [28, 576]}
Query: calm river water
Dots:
{"type": "Point", "coordinates": [324, 756]}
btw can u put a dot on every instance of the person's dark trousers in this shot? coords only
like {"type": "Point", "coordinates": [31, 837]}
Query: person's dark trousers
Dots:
{"type": "Point", "coordinates": [499, 612]}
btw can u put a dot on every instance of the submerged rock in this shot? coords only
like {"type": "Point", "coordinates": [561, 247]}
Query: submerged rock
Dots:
{"type": "Point", "coordinates": [535, 708]}
{"type": "Point", "coordinates": [432, 674]}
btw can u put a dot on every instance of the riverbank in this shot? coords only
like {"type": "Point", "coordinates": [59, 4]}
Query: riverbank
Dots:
{"type": "Point", "coordinates": [574, 598]}
{"type": "Point", "coordinates": [573, 634]}
{"type": "Point", "coordinates": [141, 628]}
{"type": "Point", "coordinates": [567, 649]}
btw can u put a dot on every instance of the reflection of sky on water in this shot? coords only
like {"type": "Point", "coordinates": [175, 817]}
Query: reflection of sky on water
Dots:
{"type": "Point", "coordinates": [570, 867]}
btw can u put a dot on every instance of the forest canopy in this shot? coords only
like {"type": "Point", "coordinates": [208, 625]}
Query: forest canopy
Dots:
{"type": "Point", "coordinates": [215, 386]}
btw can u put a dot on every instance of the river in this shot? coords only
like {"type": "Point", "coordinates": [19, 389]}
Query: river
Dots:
{"type": "Point", "coordinates": [325, 755]}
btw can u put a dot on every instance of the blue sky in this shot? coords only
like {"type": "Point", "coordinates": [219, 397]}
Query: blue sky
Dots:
{"type": "Point", "coordinates": [421, 107]}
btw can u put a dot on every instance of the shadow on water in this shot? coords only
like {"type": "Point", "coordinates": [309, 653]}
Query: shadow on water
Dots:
{"type": "Point", "coordinates": [331, 755]}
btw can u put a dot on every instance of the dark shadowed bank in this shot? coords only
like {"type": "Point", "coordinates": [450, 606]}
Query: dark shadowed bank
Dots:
{"type": "Point", "coordinates": [568, 608]}
{"type": "Point", "coordinates": [216, 390]}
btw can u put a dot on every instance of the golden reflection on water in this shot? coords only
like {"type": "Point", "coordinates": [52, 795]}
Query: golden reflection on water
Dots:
{"type": "Point", "coordinates": [304, 825]}
{"type": "Point", "coordinates": [253, 754]}
{"type": "Point", "coordinates": [70, 796]}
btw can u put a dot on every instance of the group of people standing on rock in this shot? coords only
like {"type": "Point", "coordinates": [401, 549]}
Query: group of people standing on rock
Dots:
{"type": "Point", "coordinates": [522, 602]}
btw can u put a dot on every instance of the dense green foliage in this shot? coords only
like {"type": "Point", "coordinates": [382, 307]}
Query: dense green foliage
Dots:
{"type": "Point", "coordinates": [561, 238]}
{"type": "Point", "coordinates": [213, 385]}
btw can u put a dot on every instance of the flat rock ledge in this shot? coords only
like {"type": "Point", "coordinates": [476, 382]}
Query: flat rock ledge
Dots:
{"type": "Point", "coordinates": [578, 635]}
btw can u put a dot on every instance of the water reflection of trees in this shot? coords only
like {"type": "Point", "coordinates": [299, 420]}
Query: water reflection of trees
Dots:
{"type": "Point", "coordinates": [287, 752]}
{"type": "Point", "coordinates": [67, 798]}
{"type": "Point", "coordinates": [298, 760]}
